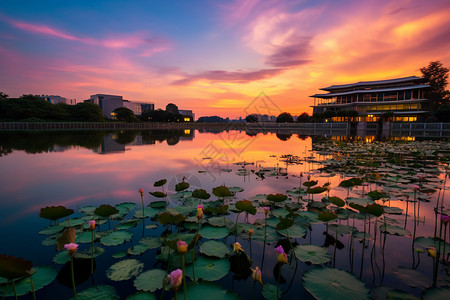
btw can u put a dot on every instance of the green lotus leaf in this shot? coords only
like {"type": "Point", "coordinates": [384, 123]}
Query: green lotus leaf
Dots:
{"type": "Point", "coordinates": [150, 280]}
{"type": "Point", "coordinates": [375, 209]}
{"type": "Point", "coordinates": [279, 213]}
{"type": "Point", "coordinates": [168, 218]}
{"type": "Point", "coordinates": [316, 190]}
{"type": "Point", "coordinates": [295, 231]}
{"type": "Point", "coordinates": [214, 248]}
{"type": "Point", "coordinates": [276, 197]}
{"type": "Point", "coordinates": [137, 249]}
{"type": "Point", "coordinates": [376, 195]}
{"type": "Point", "coordinates": [120, 254]}
{"type": "Point", "coordinates": [218, 210]}
{"type": "Point", "coordinates": [235, 189]}
{"type": "Point", "coordinates": [219, 221]}
{"type": "Point", "coordinates": [436, 293]}
{"type": "Point", "coordinates": [271, 235]}
{"type": "Point", "coordinates": [128, 205]}
{"type": "Point", "coordinates": [393, 210]}
{"type": "Point", "coordinates": [172, 239]}
{"type": "Point", "coordinates": [242, 228]}
{"type": "Point", "coordinates": [105, 210]}
{"type": "Point", "coordinates": [284, 223]}
{"type": "Point", "coordinates": [310, 183]}
{"type": "Point", "coordinates": [150, 242]}
{"type": "Point", "coordinates": [312, 254]}
{"type": "Point", "coordinates": [269, 291]}
{"type": "Point", "coordinates": [99, 292]}
{"type": "Point", "coordinates": [149, 212]}
{"type": "Point", "coordinates": [66, 238]}
{"type": "Point", "coordinates": [351, 182]}
{"type": "Point", "coordinates": [211, 232]}
{"type": "Point", "coordinates": [52, 229]}
{"type": "Point", "coordinates": [221, 191]}
{"type": "Point", "coordinates": [116, 238]}
{"type": "Point", "coordinates": [87, 254]}
{"type": "Point", "coordinates": [412, 278]}
{"type": "Point", "coordinates": [182, 186]}
{"type": "Point", "coordinates": [326, 216]}
{"type": "Point", "coordinates": [246, 206]}
{"type": "Point", "coordinates": [337, 201]}
{"type": "Point", "coordinates": [61, 257]}
{"type": "Point", "coordinates": [85, 237]}
{"type": "Point", "coordinates": [384, 292]}
{"type": "Point", "coordinates": [201, 194]}
{"type": "Point", "coordinates": [160, 182]}
{"type": "Point", "coordinates": [158, 194]}
{"type": "Point", "coordinates": [127, 224]}
{"type": "Point", "coordinates": [87, 209]}
{"type": "Point", "coordinates": [55, 212]}
{"type": "Point", "coordinates": [394, 230]}
{"type": "Point", "coordinates": [210, 269]}
{"type": "Point", "coordinates": [142, 296]}
{"type": "Point", "coordinates": [175, 257]}
{"type": "Point", "coordinates": [125, 269]}
{"type": "Point", "coordinates": [14, 267]}
{"type": "Point", "coordinates": [207, 290]}
{"type": "Point", "coordinates": [341, 229]}
{"type": "Point", "coordinates": [328, 283]}
{"type": "Point", "coordinates": [43, 276]}
{"type": "Point", "coordinates": [311, 216]}
{"type": "Point", "coordinates": [428, 242]}
{"type": "Point", "coordinates": [359, 201]}
{"type": "Point", "coordinates": [296, 192]}
{"type": "Point", "coordinates": [362, 236]}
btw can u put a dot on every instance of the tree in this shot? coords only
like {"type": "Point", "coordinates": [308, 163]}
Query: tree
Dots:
{"type": "Point", "coordinates": [253, 118]}
{"type": "Point", "coordinates": [303, 118]}
{"type": "Point", "coordinates": [437, 77]}
{"type": "Point", "coordinates": [285, 118]}
{"type": "Point", "coordinates": [3, 96]}
{"type": "Point", "coordinates": [172, 108]}
{"type": "Point", "coordinates": [125, 115]}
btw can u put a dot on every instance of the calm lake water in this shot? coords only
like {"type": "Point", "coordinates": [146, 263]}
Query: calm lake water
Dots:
{"type": "Point", "coordinates": [78, 169]}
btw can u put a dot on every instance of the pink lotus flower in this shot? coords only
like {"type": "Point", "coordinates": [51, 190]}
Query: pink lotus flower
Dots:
{"type": "Point", "coordinates": [257, 275]}
{"type": "Point", "coordinates": [445, 219]}
{"type": "Point", "coordinates": [141, 191]}
{"type": "Point", "coordinates": [182, 246]}
{"type": "Point", "coordinates": [266, 210]}
{"type": "Point", "coordinates": [199, 211]}
{"type": "Point", "coordinates": [237, 248]}
{"type": "Point", "coordinates": [176, 278]}
{"type": "Point", "coordinates": [415, 187]}
{"type": "Point", "coordinates": [281, 255]}
{"type": "Point", "coordinates": [72, 247]}
{"type": "Point", "coordinates": [92, 224]}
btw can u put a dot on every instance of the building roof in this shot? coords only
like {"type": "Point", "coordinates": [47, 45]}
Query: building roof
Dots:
{"type": "Point", "coordinates": [371, 83]}
{"type": "Point", "coordinates": [330, 95]}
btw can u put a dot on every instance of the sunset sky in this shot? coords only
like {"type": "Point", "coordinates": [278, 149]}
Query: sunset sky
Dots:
{"type": "Point", "coordinates": [215, 57]}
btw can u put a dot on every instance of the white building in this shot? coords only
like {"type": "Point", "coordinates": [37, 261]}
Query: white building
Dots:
{"type": "Point", "coordinates": [108, 103]}
{"type": "Point", "coordinates": [58, 99]}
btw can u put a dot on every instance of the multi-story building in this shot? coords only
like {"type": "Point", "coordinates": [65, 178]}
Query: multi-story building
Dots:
{"type": "Point", "coordinates": [58, 99]}
{"type": "Point", "coordinates": [108, 103]}
{"type": "Point", "coordinates": [188, 115]}
{"type": "Point", "coordinates": [403, 98]}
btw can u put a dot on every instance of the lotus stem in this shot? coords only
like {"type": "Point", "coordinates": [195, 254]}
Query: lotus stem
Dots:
{"type": "Point", "coordinates": [32, 287]}
{"type": "Point", "coordinates": [92, 252]}
{"type": "Point", "coordinates": [73, 277]}
{"type": "Point", "coordinates": [142, 200]}
{"type": "Point", "coordinates": [183, 263]}
{"type": "Point", "coordinates": [14, 288]}
{"type": "Point", "coordinates": [278, 283]}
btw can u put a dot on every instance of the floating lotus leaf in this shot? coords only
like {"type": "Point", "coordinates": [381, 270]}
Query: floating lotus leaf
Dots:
{"type": "Point", "coordinates": [125, 269]}
{"type": "Point", "coordinates": [359, 201]}
{"type": "Point", "coordinates": [211, 232]}
{"type": "Point", "coordinates": [105, 210]}
{"type": "Point", "coordinates": [160, 182]}
{"type": "Point", "coordinates": [87, 254]}
{"type": "Point", "coordinates": [276, 197]}
{"type": "Point", "coordinates": [66, 238]}
{"type": "Point", "coordinates": [85, 237]}
{"type": "Point", "coordinates": [142, 296]}
{"type": "Point", "coordinates": [14, 267]}
{"type": "Point", "coordinates": [127, 224]}
{"type": "Point", "coordinates": [242, 228]}
{"type": "Point", "coordinates": [116, 238]}
{"type": "Point", "coordinates": [210, 269]}
{"type": "Point", "coordinates": [52, 229]}
{"type": "Point", "coordinates": [175, 257]}
{"type": "Point", "coordinates": [150, 280]}
{"type": "Point", "coordinates": [337, 201]}
{"type": "Point", "coordinates": [272, 221]}
{"type": "Point", "coordinates": [55, 212]}
{"type": "Point", "coordinates": [375, 209]}
{"type": "Point", "coordinates": [326, 216]}
{"type": "Point", "coordinates": [269, 291]}
{"type": "Point", "coordinates": [149, 212]}
{"type": "Point", "coordinates": [328, 283]}
{"type": "Point", "coordinates": [341, 229]}
{"type": "Point", "coordinates": [168, 218]}
{"type": "Point", "coordinates": [61, 257]}
{"type": "Point", "coordinates": [428, 242]}
{"type": "Point", "coordinates": [295, 231]}
{"type": "Point", "coordinates": [296, 192]}
{"type": "Point", "coordinates": [394, 230]}
{"type": "Point", "coordinates": [235, 189]}
{"type": "Point", "coordinates": [436, 293]}
{"type": "Point", "coordinates": [150, 242]}
{"type": "Point", "coordinates": [280, 213]}
{"type": "Point", "coordinates": [207, 290]}
{"type": "Point", "coordinates": [128, 205]}
{"type": "Point", "coordinates": [158, 194]}
{"type": "Point", "coordinates": [312, 254]}
{"type": "Point", "coordinates": [99, 292]}
{"type": "Point", "coordinates": [310, 183]}
{"type": "Point", "coordinates": [413, 278]}
{"type": "Point", "coordinates": [43, 276]}
{"type": "Point", "coordinates": [393, 210]}
{"type": "Point", "coordinates": [201, 194]}
{"type": "Point", "coordinates": [376, 195]}
{"type": "Point", "coordinates": [362, 235]}
{"type": "Point", "coordinates": [87, 209]}
{"type": "Point", "coordinates": [284, 223]}
{"type": "Point", "coordinates": [271, 235]}
{"type": "Point", "coordinates": [120, 254]}
{"type": "Point", "coordinates": [137, 249]}
{"type": "Point", "coordinates": [219, 221]}
{"type": "Point", "coordinates": [73, 222]}
{"type": "Point", "coordinates": [246, 206]}
{"type": "Point", "coordinates": [351, 182]}
{"type": "Point", "coordinates": [214, 248]}
{"type": "Point", "coordinates": [316, 190]}
{"type": "Point", "coordinates": [311, 216]}
{"type": "Point", "coordinates": [383, 292]}
{"type": "Point", "coordinates": [182, 186]}
{"type": "Point", "coordinates": [221, 191]}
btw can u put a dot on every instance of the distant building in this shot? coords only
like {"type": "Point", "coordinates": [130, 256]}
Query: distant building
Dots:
{"type": "Point", "coordinates": [147, 106]}
{"type": "Point", "coordinates": [108, 103]}
{"type": "Point", "coordinates": [402, 97]}
{"type": "Point", "coordinates": [58, 99]}
{"type": "Point", "coordinates": [187, 113]}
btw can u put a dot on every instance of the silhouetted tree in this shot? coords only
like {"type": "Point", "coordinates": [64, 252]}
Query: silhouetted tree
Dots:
{"type": "Point", "coordinates": [437, 77]}
{"type": "Point", "coordinates": [303, 118]}
{"type": "Point", "coordinates": [285, 118]}
{"type": "Point", "coordinates": [253, 118]}
{"type": "Point", "coordinates": [172, 108]}
{"type": "Point", "coordinates": [3, 96]}
{"type": "Point", "coordinates": [125, 115]}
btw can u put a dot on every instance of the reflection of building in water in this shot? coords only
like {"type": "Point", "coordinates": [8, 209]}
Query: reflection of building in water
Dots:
{"type": "Point", "coordinates": [110, 145]}
{"type": "Point", "coordinates": [187, 113]}
{"type": "Point", "coordinates": [188, 135]}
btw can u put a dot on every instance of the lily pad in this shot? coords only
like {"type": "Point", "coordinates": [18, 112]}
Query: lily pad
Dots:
{"type": "Point", "coordinates": [182, 186]}
{"type": "Point", "coordinates": [14, 267]}
{"type": "Point", "coordinates": [55, 212]}
{"type": "Point", "coordinates": [437, 293]}
{"type": "Point", "coordinates": [207, 290]}
{"type": "Point", "coordinates": [214, 248]}
{"type": "Point", "coordinates": [150, 280]}
{"type": "Point", "coordinates": [210, 269]}
{"type": "Point", "coordinates": [160, 182]}
{"type": "Point", "coordinates": [137, 249]}
{"type": "Point", "coordinates": [312, 254]}
{"type": "Point", "coordinates": [85, 237]}
{"type": "Point", "coordinates": [105, 210]}
{"type": "Point", "coordinates": [43, 276]}
{"type": "Point", "coordinates": [125, 269]}
{"type": "Point", "coordinates": [269, 291]}
{"type": "Point", "coordinates": [246, 206]}
{"type": "Point", "coordinates": [211, 232]}
{"type": "Point", "coordinates": [394, 230]}
{"type": "Point", "coordinates": [201, 194]}
{"type": "Point", "coordinates": [328, 283]}
{"type": "Point", "coordinates": [61, 257]}
{"type": "Point", "coordinates": [116, 238]}
{"type": "Point", "coordinates": [221, 191]}
{"type": "Point", "coordinates": [158, 194]}
{"type": "Point", "coordinates": [150, 242]}
{"type": "Point", "coordinates": [52, 229]}
{"type": "Point", "coordinates": [276, 197]}
{"type": "Point", "coordinates": [98, 292]}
